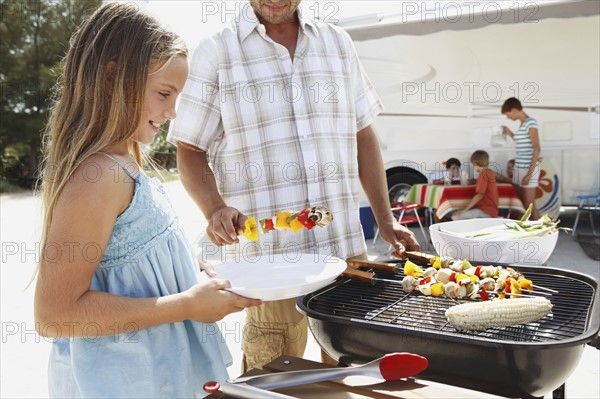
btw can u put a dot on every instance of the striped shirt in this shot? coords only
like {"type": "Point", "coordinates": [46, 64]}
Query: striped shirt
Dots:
{"type": "Point", "coordinates": [523, 143]}
{"type": "Point", "coordinates": [281, 133]}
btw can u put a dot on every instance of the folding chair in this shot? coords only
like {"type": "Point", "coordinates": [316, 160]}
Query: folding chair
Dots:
{"type": "Point", "coordinates": [589, 204]}
{"type": "Point", "coordinates": [400, 210]}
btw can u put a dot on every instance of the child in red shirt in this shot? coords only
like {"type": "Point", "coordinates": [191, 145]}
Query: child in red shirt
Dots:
{"type": "Point", "coordinates": [485, 202]}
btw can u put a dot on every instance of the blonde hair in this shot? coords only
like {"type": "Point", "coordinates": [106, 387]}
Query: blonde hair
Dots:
{"type": "Point", "coordinates": [94, 107]}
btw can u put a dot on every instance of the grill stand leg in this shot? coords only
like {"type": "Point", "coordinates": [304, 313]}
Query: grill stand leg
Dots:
{"type": "Point", "coordinates": [559, 393]}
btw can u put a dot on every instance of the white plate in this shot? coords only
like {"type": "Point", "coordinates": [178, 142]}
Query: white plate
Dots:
{"type": "Point", "coordinates": [275, 277]}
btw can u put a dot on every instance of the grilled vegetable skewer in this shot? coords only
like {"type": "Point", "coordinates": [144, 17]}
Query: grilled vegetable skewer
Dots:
{"type": "Point", "coordinates": [499, 273]}
{"type": "Point", "coordinates": [462, 280]}
{"type": "Point", "coordinates": [307, 218]}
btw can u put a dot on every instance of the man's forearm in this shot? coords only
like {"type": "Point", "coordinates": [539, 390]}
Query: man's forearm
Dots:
{"type": "Point", "coordinates": [372, 175]}
{"type": "Point", "coordinates": [198, 179]}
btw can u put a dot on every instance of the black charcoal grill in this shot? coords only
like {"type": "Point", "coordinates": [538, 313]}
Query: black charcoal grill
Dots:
{"type": "Point", "coordinates": [356, 322]}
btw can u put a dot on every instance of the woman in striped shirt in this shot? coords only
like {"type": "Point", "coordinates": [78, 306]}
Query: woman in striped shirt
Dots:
{"type": "Point", "coordinates": [527, 171]}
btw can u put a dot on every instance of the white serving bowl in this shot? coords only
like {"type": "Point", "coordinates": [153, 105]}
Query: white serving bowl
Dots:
{"type": "Point", "coordinates": [532, 251]}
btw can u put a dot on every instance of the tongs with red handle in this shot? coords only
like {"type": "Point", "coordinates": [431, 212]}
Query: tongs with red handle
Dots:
{"type": "Point", "coordinates": [390, 367]}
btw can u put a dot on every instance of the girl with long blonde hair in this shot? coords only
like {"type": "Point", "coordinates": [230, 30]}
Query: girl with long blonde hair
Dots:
{"type": "Point", "coordinates": [118, 288]}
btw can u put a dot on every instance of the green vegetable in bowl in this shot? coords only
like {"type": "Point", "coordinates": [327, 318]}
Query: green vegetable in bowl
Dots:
{"type": "Point", "coordinates": [515, 229]}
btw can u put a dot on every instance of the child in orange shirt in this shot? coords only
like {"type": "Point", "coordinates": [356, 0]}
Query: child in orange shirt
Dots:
{"type": "Point", "coordinates": [485, 202]}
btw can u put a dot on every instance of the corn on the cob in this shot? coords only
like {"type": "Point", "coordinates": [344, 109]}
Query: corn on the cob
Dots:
{"type": "Point", "coordinates": [479, 316]}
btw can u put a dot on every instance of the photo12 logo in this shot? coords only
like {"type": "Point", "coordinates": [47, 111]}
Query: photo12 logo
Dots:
{"type": "Point", "coordinates": [275, 172]}
{"type": "Point", "coordinates": [51, 332]}
{"type": "Point", "coordinates": [469, 92]}
{"type": "Point", "coordinates": [454, 12]}
{"type": "Point", "coordinates": [224, 11]}
{"type": "Point", "coordinates": [271, 92]}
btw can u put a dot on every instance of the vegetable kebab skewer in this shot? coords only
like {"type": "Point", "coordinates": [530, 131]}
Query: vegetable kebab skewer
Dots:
{"type": "Point", "coordinates": [307, 218]}
{"type": "Point", "coordinates": [460, 279]}
{"type": "Point", "coordinates": [497, 272]}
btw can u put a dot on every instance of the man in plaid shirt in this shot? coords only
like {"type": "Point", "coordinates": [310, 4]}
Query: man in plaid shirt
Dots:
{"type": "Point", "coordinates": [276, 115]}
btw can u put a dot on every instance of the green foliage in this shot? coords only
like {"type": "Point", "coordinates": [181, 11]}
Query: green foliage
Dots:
{"type": "Point", "coordinates": [163, 153]}
{"type": "Point", "coordinates": [35, 37]}
{"type": "Point", "coordinates": [8, 188]}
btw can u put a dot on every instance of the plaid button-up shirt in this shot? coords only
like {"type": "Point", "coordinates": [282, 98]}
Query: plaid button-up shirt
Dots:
{"type": "Point", "coordinates": [281, 133]}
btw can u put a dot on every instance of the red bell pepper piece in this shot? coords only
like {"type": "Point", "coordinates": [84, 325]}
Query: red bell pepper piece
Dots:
{"type": "Point", "coordinates": [269, 225]}
{"type": "Point", "coordinates": [483, 294]}
{"type": "Point", "coordinates": [305, 220]}
{"type": "Point", "coordinates": [425, 281]}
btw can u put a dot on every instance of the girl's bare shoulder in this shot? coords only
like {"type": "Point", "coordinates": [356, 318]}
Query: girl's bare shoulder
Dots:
{"type": "Point", "coordinates": [101, 182]}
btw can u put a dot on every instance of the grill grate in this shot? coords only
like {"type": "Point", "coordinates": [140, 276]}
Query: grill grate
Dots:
{"type": "Point", "coordinates": [386, 304]}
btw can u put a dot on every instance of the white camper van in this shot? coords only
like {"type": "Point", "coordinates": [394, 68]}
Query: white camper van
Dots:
{"type": "Point", "coordinates": [443, 70]}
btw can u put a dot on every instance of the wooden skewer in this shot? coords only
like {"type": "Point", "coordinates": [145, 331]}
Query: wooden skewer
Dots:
{"type": "Point", "coordinates": [519, 295]}
{"type": "Point", "coordinates": [538, 292]}
{"type": "Point", "coordinates": [523, 295]}
{"type": "Point", "coordinates": [515, 294]}
{"type": "Point", "coordinates": [539, 287]}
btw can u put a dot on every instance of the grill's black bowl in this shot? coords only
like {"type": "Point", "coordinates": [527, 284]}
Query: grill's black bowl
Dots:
{"type": "Point", "coordinates": [517, 361]}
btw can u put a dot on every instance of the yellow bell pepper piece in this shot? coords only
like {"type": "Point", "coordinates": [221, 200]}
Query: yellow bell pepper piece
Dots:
{"type": "Point", "coordinates": [437, 289]}
{"type": "Point", "coordinates": [250, 229]}
{"type": "Point", "coordinates": [474, 278]}
{"type": "Point", "coordinates": [437, 264]}
{"type": "Point", "coordinates": [515, 288]}
{"type": "Point", "coordinates": [296, 226]}
{"type": "Point", "coordinates": [466, 264]}
{"type": "Point", "coordinates": [460, 276]}
{"type": "Point", "coordinates": [412, 269]}
{"type": "Point", "coordinates": [282, 223]}
{"type": "Point", "coordinates": [526, 284]}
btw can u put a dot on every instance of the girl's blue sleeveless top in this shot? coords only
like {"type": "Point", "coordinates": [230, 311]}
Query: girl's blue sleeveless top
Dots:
{"type": "Point", "coordinates": [147, 256]}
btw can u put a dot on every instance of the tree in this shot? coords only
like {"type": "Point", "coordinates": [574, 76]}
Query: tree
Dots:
{"type": "Point", "coordinates": [35, 38]}
{"type": "Point", "coordinates": [162, 152]}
